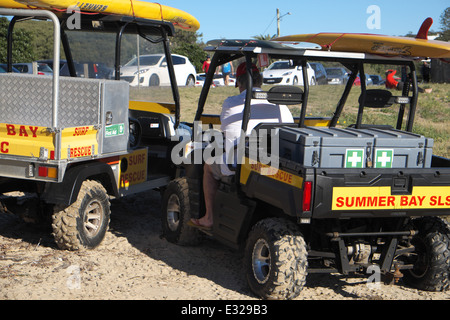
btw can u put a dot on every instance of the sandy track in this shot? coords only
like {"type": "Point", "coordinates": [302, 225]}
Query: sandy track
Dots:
{"type": "Point", "coordinates": [134, 262]}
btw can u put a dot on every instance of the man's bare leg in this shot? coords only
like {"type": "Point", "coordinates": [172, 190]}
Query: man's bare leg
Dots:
{"type": "Point", "coordinates": [210, 186]}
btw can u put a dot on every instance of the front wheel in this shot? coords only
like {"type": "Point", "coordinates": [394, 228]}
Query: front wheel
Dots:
{"type": "Point", "coordinates": [275, 259]}
{"type": "Point", "coordinates": [84, 223]}
{"type": "Point", "coordinates": [154, 81]}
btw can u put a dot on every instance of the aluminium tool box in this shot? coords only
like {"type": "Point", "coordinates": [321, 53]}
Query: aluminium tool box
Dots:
{"type": "Point", "coordinates": [355, 148]}
{"type": "Point", "coordinates": [83, 103]}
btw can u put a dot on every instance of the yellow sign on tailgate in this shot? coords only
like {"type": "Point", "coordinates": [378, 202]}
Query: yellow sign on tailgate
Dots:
{"type": "Point", "coordinates": [380, 198]}
{"type": "Point", "coordinates": [29, 141]}
{"type": "Point", "coordinates": [79, 142]}
{"type": "Point", "coordinates": [21, 140]}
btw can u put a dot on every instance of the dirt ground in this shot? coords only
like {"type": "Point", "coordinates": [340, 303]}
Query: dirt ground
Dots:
{"type": "Point", "coordinates": [135, 263]}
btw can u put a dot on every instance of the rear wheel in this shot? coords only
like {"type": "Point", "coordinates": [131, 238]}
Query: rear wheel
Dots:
{"type": "Point", "coordinates": [431, 259]}
{"type": "Point", "coordinates": [275, 259]}
{"type": "Point", "coordinates": [190, 82]}
{"type": "Point", "coordinates": [176, 213]}
{"type": "Point", "coordinates": [84, 223]}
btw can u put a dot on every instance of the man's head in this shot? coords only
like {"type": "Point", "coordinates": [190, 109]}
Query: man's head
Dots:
{"type": "Point", "coordinates": [241, 77]}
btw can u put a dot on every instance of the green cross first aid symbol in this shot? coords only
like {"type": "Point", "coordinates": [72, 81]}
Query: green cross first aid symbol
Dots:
{"type": "Point", "coordinates": [354, 158]}
{"type": "Point", "coordinates": [384, 158]}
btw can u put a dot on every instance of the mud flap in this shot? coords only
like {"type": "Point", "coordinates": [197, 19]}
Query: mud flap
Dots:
{"type": "Point", "coordinates": [232, 217]}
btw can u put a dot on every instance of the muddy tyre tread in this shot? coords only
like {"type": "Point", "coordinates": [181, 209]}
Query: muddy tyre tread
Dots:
{"type": "Point", "coordinates": [184, 235]}
{"type": "Point", "coordinates": [434, 232]}
{"type": "Point", "coordinates": [289, 264]}
{"type": "Point", "coordinates": [65, 219]}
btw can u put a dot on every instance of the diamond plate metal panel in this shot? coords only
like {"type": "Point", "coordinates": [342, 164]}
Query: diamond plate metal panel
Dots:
{"type": "Point", "coordinates": [27, 99]}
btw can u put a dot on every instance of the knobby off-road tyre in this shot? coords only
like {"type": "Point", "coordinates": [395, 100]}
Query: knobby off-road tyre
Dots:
{"type": "Point", "coordinates": [432, 264]}
{"type": "Point", "coordinates": [275, 259]}
{"type": "Point", "coordinates": [83, 224]}
{"type": "Point", "coordinates": [176, 213]}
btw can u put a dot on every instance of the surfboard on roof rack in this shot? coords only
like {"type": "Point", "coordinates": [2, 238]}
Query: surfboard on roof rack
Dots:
{"type": "Point", "coordinates": [132, 8]}
{"type": "Point", "coordinates": [263, 44]}
{"type": "Point", "coordinates": [378, 44]}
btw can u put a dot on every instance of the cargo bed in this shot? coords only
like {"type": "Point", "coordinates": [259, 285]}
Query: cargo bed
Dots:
{"type": "Point", "coordinates": [91, 122]}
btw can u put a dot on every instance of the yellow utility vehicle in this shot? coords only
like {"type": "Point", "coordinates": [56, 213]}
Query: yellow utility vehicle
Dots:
{"type": "Point", "coordinates": [68, 144]}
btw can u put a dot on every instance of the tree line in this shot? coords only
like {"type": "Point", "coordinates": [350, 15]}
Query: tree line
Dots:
{"type": "Point", "coordinates": [33, 40]}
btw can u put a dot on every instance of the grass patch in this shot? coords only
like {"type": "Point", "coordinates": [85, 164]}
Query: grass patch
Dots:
{"type": "Point", "coordinates": [432, 116]}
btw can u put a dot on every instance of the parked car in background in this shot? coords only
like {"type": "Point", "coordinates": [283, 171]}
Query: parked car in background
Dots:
{"type": "Point", "coordinates": [320, 72]}
{"type": "Point", "coordinates": [3, 69]}
{"type": "Point", "coordinates": [369, 81]}
{"type": "Point", "coordinates": [62, 63]}
{"type": "Point", "coordinates": [200, 79]}
{"type": "Point", "coordinates": [337, 75]}
{"type": "Point", "coordinates": [42, 68]}
{"type": "Point", "coordinates": [285, 73]}
{"type": "Point", "coordinates": [377, 80]}
{"type": "Point", "coordinates": [153, 71]}
{"type": "Point", "coordinates": [218, 80]}
{"type": "Point", "coordinates": [95, 70]}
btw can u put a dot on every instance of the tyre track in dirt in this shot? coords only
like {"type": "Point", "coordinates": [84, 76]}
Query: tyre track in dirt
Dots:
{"type": "Point", "coordinates": [135, 262]}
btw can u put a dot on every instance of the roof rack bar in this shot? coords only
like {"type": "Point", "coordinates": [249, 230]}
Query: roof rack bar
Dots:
{"type": "Point", "coordinates": [344, 96]}
{"type": "Point", "coordinates": [413, 100]}
{"type": "Point", "coordinates": [56, 50]}
{"type": "Point", "coordinates": [304, 65]}
{"type": "Point", "coordinates": [362, 77]}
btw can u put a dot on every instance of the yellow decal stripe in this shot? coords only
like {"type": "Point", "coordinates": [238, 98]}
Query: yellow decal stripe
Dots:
{"type": "Point", "coordinates": [21, 140]}
{"type": "Point", "coordinates": [270, 172]}
{"type": "Point", "coordinates": [166, 108]}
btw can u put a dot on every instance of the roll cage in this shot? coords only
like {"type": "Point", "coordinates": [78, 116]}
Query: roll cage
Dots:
{"type": "Point", "coordinates": [230, 50]}
{"type": "Point", "coordinates": [118, 25]}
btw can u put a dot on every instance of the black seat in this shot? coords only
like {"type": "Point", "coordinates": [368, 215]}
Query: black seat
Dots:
{"type": "Point", "coordinates": [377, 98]}
{"type": "Point", "coordinates": [287, 95]}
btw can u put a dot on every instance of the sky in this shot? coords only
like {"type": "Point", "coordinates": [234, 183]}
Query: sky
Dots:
{"type": "Point", "coordinates": [246, 19]}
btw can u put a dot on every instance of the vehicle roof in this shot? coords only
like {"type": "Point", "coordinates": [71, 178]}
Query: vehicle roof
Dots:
{"type": "Point", "coordinates": [284, 51]}
{"type": "Point", "coordinates": [161, 54]}
{"type": "Point", "coordinates": [111, 23]}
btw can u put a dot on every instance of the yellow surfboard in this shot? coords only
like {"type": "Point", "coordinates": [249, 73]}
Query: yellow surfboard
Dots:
{"type": "Point", "coordinates": [375, 44]}
{"type": "Point", "coordinates": [419, 46]}
{"type": "Point", "coordinates": [138, 9]}
{"type": "Point", "coordinates": [12, 4]}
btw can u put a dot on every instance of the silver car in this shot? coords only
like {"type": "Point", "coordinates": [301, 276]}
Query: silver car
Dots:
{"type": "Point", "coordinates": [42, 68]}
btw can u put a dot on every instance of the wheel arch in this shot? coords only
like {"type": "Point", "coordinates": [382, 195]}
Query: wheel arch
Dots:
{"type": "Point", "coordinates": [67, 191]}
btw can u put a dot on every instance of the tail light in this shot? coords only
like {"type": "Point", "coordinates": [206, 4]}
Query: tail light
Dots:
{"type": "Point", "coordinates": [48, 172]}
{"type": "Point", "coordinates": [307, 196]}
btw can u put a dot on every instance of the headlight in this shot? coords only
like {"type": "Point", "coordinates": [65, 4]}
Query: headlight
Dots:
{"type": "Point", "coordinates": [141, 71]}
{"type": "Point", "coordinates": [287, 74]}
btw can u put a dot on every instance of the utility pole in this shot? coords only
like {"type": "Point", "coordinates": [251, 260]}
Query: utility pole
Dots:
{"type": "Point", "coordinates": [279, 20]}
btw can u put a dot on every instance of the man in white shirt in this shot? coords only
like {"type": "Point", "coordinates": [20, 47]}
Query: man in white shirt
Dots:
{"type": "Point", "coordinates": [231, 125]}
